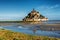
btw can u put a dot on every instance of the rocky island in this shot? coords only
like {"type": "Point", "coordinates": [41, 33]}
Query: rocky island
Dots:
{"type": "Point", "coordinates": [35, 16]}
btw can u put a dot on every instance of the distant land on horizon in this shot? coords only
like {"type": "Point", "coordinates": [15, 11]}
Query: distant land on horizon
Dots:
{"type": "Point", "coordinates": [20, 19]}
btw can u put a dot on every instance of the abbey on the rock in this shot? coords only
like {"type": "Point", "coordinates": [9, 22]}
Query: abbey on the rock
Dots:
{"type": "Point", "coordinates": [35, 16]}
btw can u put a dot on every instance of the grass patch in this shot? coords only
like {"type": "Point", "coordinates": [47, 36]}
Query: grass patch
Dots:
{"type": "Point", "coordinates": [10, 35]}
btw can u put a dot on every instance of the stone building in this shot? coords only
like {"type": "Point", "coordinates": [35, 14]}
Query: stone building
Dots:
{"type": "Point", "coordinates": [35, 16]}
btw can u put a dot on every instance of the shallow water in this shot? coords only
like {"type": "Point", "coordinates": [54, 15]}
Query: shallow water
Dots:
{"type": "Point", "coordinates": [30, 29]}
{"type": "Point", "coordinates": [52, 22]}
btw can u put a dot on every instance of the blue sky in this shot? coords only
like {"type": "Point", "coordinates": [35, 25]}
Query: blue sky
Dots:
{"type": "Point", "coordinates": [18, 9]}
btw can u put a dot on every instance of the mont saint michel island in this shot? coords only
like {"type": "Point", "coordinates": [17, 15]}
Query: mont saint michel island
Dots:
{"type": "Point", "coordinates": [35, 16]}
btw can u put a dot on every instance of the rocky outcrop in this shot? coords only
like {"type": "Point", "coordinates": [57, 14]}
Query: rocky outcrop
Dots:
{"type": "Point", "coordinates": [35, 16]}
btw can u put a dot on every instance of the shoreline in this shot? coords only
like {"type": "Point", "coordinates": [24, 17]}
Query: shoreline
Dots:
{"type": "Point", "coordinates": [29, 23]}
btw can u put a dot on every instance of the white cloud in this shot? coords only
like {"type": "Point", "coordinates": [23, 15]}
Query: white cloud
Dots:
{"type": "Point", "coordinates": [54, 6]}
{"type": "Point", "coordinates": [48, 7]}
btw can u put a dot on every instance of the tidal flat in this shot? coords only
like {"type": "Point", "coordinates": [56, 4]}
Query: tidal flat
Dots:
{"type": "Point", "coordinates": [49, 29]}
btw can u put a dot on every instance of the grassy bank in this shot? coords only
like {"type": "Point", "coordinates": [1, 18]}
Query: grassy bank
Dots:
{"type": "Point", "coordinates": [10, 35]}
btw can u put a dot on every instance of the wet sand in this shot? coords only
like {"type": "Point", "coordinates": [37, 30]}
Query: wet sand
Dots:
{"type": "Point", "coordinates": [50, 27]}
{"type": "Point", "coordinates": [45, 27]}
